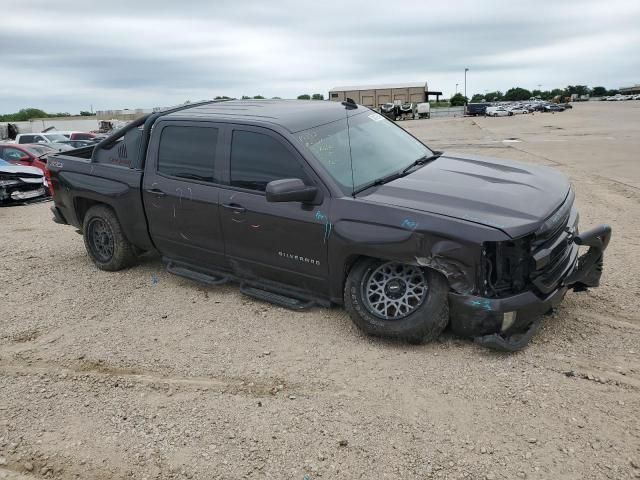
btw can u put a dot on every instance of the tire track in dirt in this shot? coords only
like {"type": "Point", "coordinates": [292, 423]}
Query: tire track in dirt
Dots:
{"type": "Point", "coordinates": [97, 370]}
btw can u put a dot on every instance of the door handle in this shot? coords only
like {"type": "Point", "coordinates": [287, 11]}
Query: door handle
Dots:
{"type": "Point", "coordinates": [235, 207]}
{"type": "Point", "coordinates": [155, 191]}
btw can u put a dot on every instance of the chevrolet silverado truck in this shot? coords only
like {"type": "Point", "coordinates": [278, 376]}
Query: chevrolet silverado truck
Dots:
{"type": "Point", "coordinates": [319, 203]}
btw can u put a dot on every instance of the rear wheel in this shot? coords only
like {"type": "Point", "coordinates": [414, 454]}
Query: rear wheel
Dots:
{"type": "Point", "coordinates": [397, 300]}
{"type": "Point", "coordinates": [104, 240]}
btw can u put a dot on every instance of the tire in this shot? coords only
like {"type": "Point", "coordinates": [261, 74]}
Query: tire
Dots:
{"type": "Point", "coordinates": [423, 324]}
{"type": "Point", "coordinates": [104, 240]}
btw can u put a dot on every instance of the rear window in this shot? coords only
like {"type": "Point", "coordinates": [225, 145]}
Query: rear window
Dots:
{"type": "Point", "coordinates": [188, 152]}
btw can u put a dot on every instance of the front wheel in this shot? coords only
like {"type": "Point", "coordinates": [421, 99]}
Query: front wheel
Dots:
{"type": "Point", "coordinates": [104, 240]}
{"type": "Point", "coordinates": [392, 299]}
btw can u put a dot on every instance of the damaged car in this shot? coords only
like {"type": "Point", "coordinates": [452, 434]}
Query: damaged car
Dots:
{"type": "Point", "coordinates": [19, 183]}
{"type": "Point", "coordinates": [320, 203]}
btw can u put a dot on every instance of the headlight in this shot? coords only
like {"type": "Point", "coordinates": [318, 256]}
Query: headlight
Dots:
{"type": "Point", "coordinates": [6, 183]}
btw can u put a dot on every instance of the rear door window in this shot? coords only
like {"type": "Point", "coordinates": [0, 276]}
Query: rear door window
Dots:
{"type": "Point", "coordinates": [257, 159]}
{"type": "Point", "coordinates": [188, 152]}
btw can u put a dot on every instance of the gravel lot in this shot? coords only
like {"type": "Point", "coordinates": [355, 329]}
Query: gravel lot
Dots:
{"type": "Point", "coordinates": [141, 374]}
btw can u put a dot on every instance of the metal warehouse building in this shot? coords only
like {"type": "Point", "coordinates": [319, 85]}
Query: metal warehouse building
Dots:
{"type": "Point", "coordinates": [375, 95]}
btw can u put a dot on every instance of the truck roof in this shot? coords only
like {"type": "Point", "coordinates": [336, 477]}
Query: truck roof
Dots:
{"type": "Point", "coordinates": [294, 115]}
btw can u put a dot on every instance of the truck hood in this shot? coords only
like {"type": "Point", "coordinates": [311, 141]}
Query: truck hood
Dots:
{"type": "Point", "coordinates": [510, 196]}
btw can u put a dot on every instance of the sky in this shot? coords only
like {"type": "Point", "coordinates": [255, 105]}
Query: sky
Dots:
{"type": "Point", "coordinates": [67, 55]}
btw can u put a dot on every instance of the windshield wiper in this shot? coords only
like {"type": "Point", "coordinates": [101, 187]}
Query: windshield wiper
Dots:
{"type": "Point", "coordinates": [422, 161]}
{"type": "Point", "coordinates": [379, 181]}
{"type": "Point", "coordinates": [402, 173]}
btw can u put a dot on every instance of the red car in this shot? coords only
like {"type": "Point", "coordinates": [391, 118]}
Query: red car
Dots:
{"type": "Point", "coordinates": [30, 155]}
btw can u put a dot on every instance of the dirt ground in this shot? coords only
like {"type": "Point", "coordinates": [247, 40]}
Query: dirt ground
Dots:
{"type": "Point", "coordinates": [141, 374]}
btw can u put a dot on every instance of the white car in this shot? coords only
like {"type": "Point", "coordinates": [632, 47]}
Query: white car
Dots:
{"type": "Point", "coordinates": [497, 112]}
{"type": "Point", "coordinates": [19, 183]}
{"type": "Point", "coordinates": [518, 110]}
{"type": "Point", "coordinates": [45, 137]}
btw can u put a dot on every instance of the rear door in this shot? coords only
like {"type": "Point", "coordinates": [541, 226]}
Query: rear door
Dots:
{"type": "Point", "coordinates": [284, 242]}
{"type": "Point", "coordinates": [180, 192]}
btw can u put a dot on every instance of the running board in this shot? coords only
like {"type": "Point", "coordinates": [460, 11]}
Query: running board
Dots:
{"type": "Point", "coordinates": [282, 300]}
{"type": "Point", "coordinates": [185, 272]}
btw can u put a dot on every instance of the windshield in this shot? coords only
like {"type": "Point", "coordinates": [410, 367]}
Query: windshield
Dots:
{"type": "Point", "coordinates": [38, 150]}
{"type": "Point", "coordinates": [56, 137]}
{"type": "Point", "coordinates": [4, 162]}
{"type": "Point", "coordinates": [378, 148]}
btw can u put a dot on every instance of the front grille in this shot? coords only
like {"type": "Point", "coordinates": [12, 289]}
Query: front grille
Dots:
{"type": "Point", "coordinates": [553, 250]}
{"type": "Point", "coordinates": [541, 259]}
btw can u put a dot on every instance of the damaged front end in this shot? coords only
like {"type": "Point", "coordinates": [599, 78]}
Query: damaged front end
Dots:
{"type": "Point", "coordinates": [524, 278]}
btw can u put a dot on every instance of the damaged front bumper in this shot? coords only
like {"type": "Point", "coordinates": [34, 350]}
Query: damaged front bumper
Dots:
{"type": "Point", "coordinates": [509, 323]}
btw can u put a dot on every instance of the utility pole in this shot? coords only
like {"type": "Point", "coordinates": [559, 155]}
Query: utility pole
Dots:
{"type": "Point", "coordinates": [465, 89]}
{"type": "Point", "coordinates": [456, 88]}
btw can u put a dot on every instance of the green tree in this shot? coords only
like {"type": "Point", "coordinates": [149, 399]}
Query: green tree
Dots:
{"type": "Point", "coordinates": [556, 92]}
{"type": "Point", "coordinates": [304, 96]}
{"type": "Point", "coordinates": [224, 97]}
{"type": "Point", "coordinates": [29, 113]}
{"type": "Point", "coordinates": [577, 90]}
{"type": "Point", "coordinates": [494, 96]}
{"type": "Point", "coordinates": [84, 113]}
{"type": "Point", "coordinates": [599, 91]}
{"type": "Point", "coordinates": [477, 98]}
{"type": "Point", "coordinates": [612, 92]}
{"type": "Point", "coordinates": [246, 97]}
{"type": "Point", "coordinates": [458, 100]}
{"type": "Point", "coordinates": [317, 96]}
{"type": "Point", "coordinates": [258, 97]}
{"type": "Point", "coordinates": [276, 98]}
{"type": "Point", "coordinates": [517, 93]}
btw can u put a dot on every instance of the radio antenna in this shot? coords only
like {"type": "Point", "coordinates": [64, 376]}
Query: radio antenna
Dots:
{"type": "Point", "coordinates": [349, 104]}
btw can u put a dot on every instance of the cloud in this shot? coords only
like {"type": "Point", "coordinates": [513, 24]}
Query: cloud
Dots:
{"type": "Point", "coordinates": [67, 56]}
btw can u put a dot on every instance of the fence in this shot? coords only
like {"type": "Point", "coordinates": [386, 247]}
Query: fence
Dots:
{"type": "Point", "coordinates": [447, 112]}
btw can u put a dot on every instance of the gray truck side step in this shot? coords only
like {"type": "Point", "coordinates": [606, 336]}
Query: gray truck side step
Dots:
{"type": "Point", "coordinates": [280, 299]}
{"type": "Point", "coordinates": [185, 272]}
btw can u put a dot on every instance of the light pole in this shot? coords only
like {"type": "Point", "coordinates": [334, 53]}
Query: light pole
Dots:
{"type": "Point", "coordinates": [456, 88]}
{"type": "Point", "coordinates": [465, 83]}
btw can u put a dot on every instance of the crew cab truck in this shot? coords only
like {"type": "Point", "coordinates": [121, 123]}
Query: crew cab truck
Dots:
{"type": "Point", "coordinates": [305, 203]}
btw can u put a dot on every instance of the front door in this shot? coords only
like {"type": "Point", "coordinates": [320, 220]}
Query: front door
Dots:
{"type": "Point", "coordinates": [284, 242]}
{"type": "Point", "coordinates": [180, 194]}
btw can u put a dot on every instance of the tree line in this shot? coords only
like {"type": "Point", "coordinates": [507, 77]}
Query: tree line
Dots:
{"type": "Point", "coordinates": [519, 93]}
{"type": "Point", "coordinates": [27, 114]}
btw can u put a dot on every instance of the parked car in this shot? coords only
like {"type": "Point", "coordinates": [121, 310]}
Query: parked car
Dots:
{"type": "Point", "coordinates": [477, 108]}
{"type": "Point", "coordinates": [26, 155]}
{"type": "Point", "coordinates": [19, 183]}
{"type": "Point", "coordinates": [497, 112]}
{"type": "Point", "coordinates": [517, 110]}
{"type": "Point", "coordinates": [43, 137]}
{"type": "Point", "coordinates": [93, 137]}
{"type": "Point", "coordinates": [309, 203]}
{"type": "Point", "coordinates": [552, 107]}
{"type": "Point", "coordinates": [80, 143]}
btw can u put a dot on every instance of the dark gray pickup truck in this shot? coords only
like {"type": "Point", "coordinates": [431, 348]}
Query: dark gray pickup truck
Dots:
{"type": "Point", "coordinates": [308, 203]}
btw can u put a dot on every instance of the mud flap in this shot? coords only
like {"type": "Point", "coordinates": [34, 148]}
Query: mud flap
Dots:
{"type": "Point", "coordinates": [513, 342]}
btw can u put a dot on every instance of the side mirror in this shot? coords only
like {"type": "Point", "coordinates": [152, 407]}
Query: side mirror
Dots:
{"type": "Point", "coordinates": [290, 190]}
